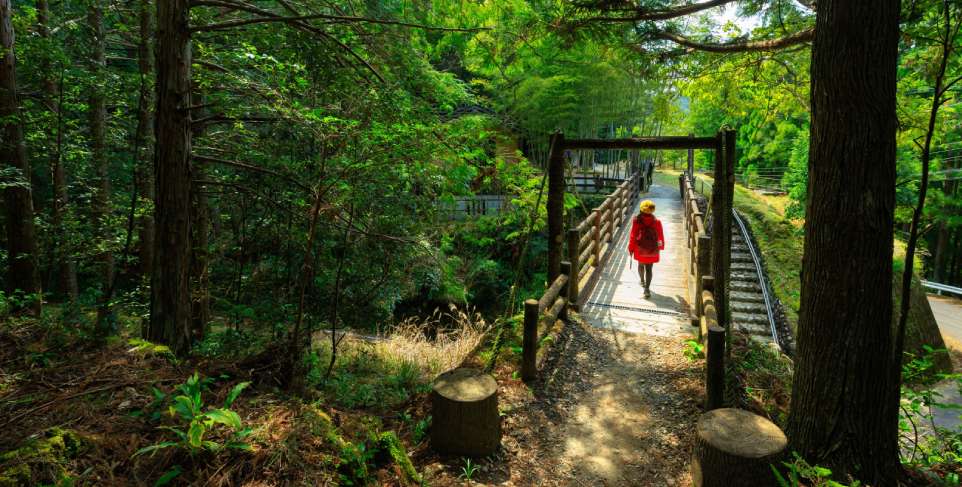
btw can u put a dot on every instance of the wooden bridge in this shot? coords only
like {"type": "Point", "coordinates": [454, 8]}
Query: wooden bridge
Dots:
{"type": "Point", "coordinates": [594, 274]}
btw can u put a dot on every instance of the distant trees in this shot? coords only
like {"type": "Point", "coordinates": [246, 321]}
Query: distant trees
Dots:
{"type": "Point", "coordinates": [23, 273]}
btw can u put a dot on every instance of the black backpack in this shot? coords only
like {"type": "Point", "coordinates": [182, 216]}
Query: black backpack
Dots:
{"type": "Point", "coordinates": [647, 239]}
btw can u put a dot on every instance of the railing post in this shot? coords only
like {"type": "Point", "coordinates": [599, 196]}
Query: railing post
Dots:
{"type": "Point", "coordinates": [566, 270]}
{"type": "Point", "coordinates": [691, 157]}
{"type": "Point", "coordinates": [529, 341]}
{"type": "Point", "coordinates": [722, 224]}
{"type": "Point", "coordinates": [596, 230]}
{"type": "Point", "coordinates": [715, 368]}
{"type": "Point", "coordinates": [702, 268]}
{"type": "Point", "coordinates": [556, 195]}
{"type": "Point", "coordinates": [574, 262]}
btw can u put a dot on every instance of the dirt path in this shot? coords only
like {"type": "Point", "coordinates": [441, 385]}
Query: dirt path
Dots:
{"type": "Point", "coordinates": [617, 410]}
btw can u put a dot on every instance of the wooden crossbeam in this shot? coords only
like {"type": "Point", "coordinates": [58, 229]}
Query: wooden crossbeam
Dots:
{"type": "Point", "coordinates": [668, 142]}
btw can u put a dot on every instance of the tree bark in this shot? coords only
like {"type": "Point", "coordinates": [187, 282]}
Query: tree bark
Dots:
{"type": "Point", "coordinates": [23, 274]}
{"type": "Point", "coordinates": [170, 279]}
{"type": "Point", "coordinates": [98, 151]}
{"type": "Point", "coordinates": [65, 267]}
{"type": "Point", "coordinates": [844, 401]}
{"type": "Point", "coordinates": [735, 447]}
{"type": "Point", "coordinates": [464, 405]}
{"type": "Point", "coordinates": [144, 139]}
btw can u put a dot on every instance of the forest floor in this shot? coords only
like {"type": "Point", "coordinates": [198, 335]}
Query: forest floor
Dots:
{"type": "Point", "coordinates": [616, 409]}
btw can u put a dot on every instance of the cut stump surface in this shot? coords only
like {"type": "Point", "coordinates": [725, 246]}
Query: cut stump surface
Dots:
{"type": "Point", "coordinates": [735, 447]}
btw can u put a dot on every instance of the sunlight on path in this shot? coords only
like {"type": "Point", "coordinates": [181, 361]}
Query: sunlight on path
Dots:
{"type": "Point", "coordinates": [617, 301]}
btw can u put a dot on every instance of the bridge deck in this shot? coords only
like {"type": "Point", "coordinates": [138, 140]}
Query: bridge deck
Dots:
{"type": "Point", "coordinates": [617, 300]}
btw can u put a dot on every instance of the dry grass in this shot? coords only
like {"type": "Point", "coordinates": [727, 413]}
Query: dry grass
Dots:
{"type": "Point", "coordinates": [457, 334]}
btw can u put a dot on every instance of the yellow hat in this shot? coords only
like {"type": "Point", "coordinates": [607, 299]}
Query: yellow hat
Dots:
{"type": "Point", "coordinates": [647, 206]}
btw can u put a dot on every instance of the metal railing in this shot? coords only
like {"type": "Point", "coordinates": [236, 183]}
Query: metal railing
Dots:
{"type": "Point", "coordinates": [762, 283]}
{"type": "Point", "coordinates": [940, 288]}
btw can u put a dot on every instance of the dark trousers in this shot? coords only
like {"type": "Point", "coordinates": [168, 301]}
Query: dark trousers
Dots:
{"type": "Point", "coordinates": [644, 272]}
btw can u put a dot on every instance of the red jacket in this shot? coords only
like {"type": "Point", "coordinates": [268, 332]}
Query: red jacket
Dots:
{"type": "Point", "coordinates": [637, 224]}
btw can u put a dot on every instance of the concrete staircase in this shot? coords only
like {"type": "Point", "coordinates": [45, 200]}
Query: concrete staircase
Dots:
{"type": "Point", "coordinates": [746, 300]}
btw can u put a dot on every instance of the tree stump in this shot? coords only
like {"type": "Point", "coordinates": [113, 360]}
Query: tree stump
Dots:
{"type": "Point", "coordinates": [736, 448]}
{"type": "Point", "coordinates": [464, 406]}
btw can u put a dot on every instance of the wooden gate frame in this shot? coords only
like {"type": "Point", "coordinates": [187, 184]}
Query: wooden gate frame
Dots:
{"type": "Point", "coordinates": [723, 143]}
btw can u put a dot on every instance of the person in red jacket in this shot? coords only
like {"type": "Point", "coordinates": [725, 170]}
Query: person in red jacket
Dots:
{"type": "Point", "coordinates": [646, 240]}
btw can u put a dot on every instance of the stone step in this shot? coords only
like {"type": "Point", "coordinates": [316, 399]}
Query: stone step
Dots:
{"type": "Point", "coordinates": [750, 318]}
{"type": "Point", "coordinates": [741, 249]}
{"type": "Point", "coordinates": [745, 285]}
{"type": "Point", "coordinates": [747, 297]}
{"type": "Point", "coordinates": [748, 308]}
{"type": "Point", "coordinates": [754, 329]}
{"type": "Point", "coordinates": [742, 257]}
{"type": "Point", "coordinates": [742, 266]}
{"type": "Point", "coordinates": [744, 275]}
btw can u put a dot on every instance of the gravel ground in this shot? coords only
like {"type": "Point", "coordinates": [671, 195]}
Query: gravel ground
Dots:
{"type": "Point", "coordinates": [612, 409]}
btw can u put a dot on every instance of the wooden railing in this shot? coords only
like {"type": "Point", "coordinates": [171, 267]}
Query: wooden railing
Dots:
{"type": "Point", "coordinates": [590, 241]}
{"type": "Point", "coordinates": [590, 244]}
{"type": "Point", "coordinates": [706, 314]}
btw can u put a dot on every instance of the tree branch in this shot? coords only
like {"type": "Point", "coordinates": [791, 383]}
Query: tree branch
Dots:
{"type": "Point", "coordinates": [248, 167]}
{"type": "Point", "coordinates": [344, 18]}
{"type": "Point", "coordinates": [800, 37]}
{"type": "Point", "coordinates": [663, 14]}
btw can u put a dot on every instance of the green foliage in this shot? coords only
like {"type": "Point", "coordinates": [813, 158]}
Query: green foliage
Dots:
{"type": "Point", "coordinates": [362, 379]}
{"type": "Point", "coordinates": [694, 350]}
{"type": "Point", "coordinates": [193, 423]}
{"type": "Point", "coordinates": [144, 347]}
{"type": "Point", "coordinates": [925, 444]}
{"type": "Point", "coordinates": [813, 475]}
{"type": "Point", "coordinates": [468, 470]}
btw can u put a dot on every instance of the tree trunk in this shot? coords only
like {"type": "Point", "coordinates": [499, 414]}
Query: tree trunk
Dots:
{"type": "Point", "coordinates": [144, 141]}
{"type": "Point", "coordinates": [23, 274]}
{"type": "Point", "coordinates": [63, 263]}
{"type": "Point", "coordinates": [735, 447]}
{"type": "Point", "coordinates": [98, 151]}
{"type": "Point", "coordinates": [464, 405]}
{"type": "Point", "coordinates": [941, 246]}
{"type": "Point", "coordinates": [844, 400]}
{"type": "Point", "coordinates": [170, 279]}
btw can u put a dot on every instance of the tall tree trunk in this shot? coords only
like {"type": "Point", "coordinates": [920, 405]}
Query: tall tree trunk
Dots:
{"type": "Point", "coordinates": [144, 139]}
{"type": "Point", "coordinates": [98, 151]}
{"type": "Point", "coordinates": [23, 274]}
{"type": "Point", "coordinates": [65, 267]}
{"type": "Point", "coordinates": [843, 398]}
{"type": "Point", "coordinates": [170, 279]}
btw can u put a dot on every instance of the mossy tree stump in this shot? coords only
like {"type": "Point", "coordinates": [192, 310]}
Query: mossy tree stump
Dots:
{"type": "Point", "coordinates": [735, 448]}
{"type": "Point", "coordinates": [464, 406]}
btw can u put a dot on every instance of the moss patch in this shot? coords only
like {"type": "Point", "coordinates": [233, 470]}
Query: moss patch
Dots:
{"type": "Point", "coordinates": [389, 445]}
{"type": "Point", "coordinates": [41, 460]}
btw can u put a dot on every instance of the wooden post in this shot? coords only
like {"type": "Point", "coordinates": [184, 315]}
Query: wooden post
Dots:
{"type": "Point", "coordinates": [715, 368]}
{"type": "Point", "coordinates": [596, 229]}
{"type": "Point", "coordinates": [529, 341]}
{"type": "Point", "coordinates": [721, 229]}
{"type": "Point", "coordinates": [691, 157]}
{"type": "Point", "coordinates": [702, 268]}
{"type": "Point", "coordinates": [556, 195]}
{"type": "Point", "coordinates": [566, 270]}
{"type": "Point", "coordinates": [574, 262]}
